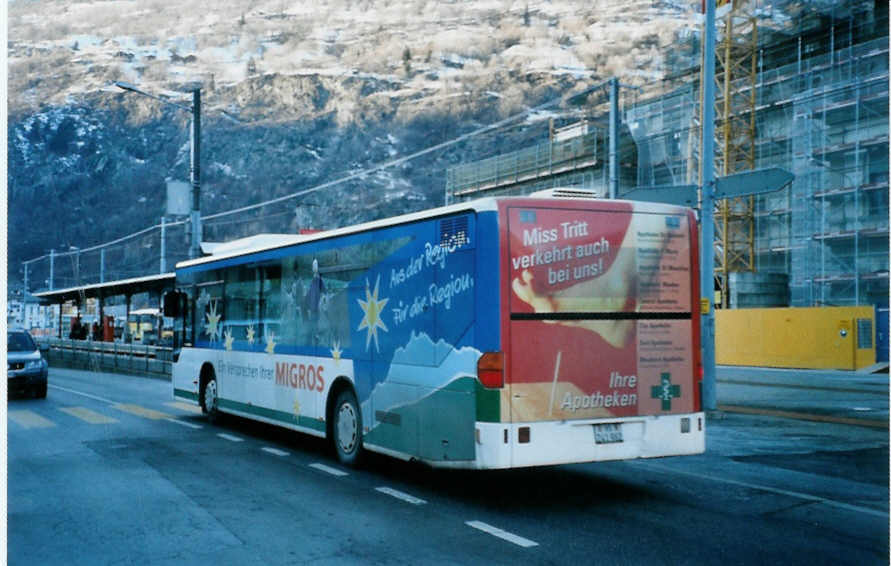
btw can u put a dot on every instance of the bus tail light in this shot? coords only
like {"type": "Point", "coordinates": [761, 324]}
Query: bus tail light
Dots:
{"type": "Point", "coordinates": [490, 370]}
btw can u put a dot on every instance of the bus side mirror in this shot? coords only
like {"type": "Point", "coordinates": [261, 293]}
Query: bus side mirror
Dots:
{"type": "Point", "coordinates": [172, 304]}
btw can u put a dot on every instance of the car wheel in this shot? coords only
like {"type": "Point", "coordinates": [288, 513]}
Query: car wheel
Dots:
{"type": "Point", "coordinates": [40, 391]}
{"type": "Point", "coordinates": [347, 429]}
{"type": "Point", "coordinates": [210, 400]}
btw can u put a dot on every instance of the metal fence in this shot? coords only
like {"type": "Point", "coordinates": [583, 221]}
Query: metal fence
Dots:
{"type": "Point", "coordinates": [115, 357]}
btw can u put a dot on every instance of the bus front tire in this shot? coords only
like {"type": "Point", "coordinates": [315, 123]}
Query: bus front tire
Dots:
{"type": "Point", "coordinates": [347, 429]}
{"type": "Point", "coordinates": [209, 400]}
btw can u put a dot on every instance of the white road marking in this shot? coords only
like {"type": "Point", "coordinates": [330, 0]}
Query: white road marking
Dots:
{"type": "Point", "coordinates": [275, 451]}
{"type": "Point", "coordinates": [798, 494]}
{"type": "Point", "coordinates": [183, 423]}
{"type": "Point", "coordinates": [230, 437]}
{"type": "Point", "coordinates": [400, 495]}
{"type": "Point", "coordinates": [495, 531]}
{"type": "Point", "coordinates": [328, 469]}
{"type": "Point", "coordinates": [82, 394]}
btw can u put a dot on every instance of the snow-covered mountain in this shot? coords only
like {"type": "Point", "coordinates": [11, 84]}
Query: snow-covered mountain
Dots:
{"type": "Point", "coordinates": [316, 92]}
{"type": "Point", "coordinates": [418, 51]}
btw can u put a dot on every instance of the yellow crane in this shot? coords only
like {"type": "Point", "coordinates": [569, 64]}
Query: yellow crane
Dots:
{"type": "Point", "coordinates": [736, 77]}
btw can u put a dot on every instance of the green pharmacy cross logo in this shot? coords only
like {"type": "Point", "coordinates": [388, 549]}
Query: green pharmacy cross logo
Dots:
{"type": "Point", "coordinates": [665, 391]}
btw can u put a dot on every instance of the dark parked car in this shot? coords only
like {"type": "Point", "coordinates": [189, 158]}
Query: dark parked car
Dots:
{"type": "Point", "coordinates": [26, 370]}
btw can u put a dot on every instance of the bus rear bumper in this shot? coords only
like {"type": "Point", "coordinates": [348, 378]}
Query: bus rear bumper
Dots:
{"type": "Point", "coordinates": [504, 445]}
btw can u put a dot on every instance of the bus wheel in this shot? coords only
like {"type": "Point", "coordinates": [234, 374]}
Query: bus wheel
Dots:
{"type": "Point", "coordinates": [210, 399]}
{"type": "Point", "coordinates": [347, 429]}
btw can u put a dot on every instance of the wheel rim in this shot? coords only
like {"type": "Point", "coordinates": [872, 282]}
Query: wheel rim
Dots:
{"type": "Point", "coordinates": [347, 428]}
{"type": "Point", "coordinates": [210, 396]}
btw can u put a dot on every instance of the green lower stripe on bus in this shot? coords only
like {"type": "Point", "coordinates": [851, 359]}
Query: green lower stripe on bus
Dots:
{"type": "Point", "coordinates": [182, 393]}
{"type": "Point", "coordinates": [488, 404]}
{"type": "Point", "coordinates": [280, 416]}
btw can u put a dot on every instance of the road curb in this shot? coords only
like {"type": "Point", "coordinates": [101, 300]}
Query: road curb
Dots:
{"type": "Point", "coordinates": [872, 423]}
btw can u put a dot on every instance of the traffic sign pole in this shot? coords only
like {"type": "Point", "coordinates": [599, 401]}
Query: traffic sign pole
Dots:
{"type": "Point", "coordinates": [707, 213]}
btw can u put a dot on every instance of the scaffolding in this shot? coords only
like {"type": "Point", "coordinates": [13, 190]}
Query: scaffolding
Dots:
{"type": "Point", "coordinates": [839, 217]}
{"type": "Point", "coordinates": [820, 113]}
{"type": "Point", "coordinates": [666, 134]}
{"type": "Point", "coordinates": [564, 162]}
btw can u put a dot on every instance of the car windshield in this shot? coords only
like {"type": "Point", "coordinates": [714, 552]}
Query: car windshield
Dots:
{"type": "Point", "coordinates": [19, 342]}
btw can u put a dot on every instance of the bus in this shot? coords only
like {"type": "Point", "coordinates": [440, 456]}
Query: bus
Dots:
{"type": "Point", "coordinates": [144, 325]}
{"type": "Point", "coordinates": [497, 333]}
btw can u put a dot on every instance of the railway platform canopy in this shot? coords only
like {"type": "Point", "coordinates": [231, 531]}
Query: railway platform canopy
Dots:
{"type": "Point", "coordinates": [154, 285]}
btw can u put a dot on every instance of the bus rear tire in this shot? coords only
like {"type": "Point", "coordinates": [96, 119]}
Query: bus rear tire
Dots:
{"type": "Point", "coordinates": [346, 432]}
{"type": "Point", "coordinates": [210, 399]}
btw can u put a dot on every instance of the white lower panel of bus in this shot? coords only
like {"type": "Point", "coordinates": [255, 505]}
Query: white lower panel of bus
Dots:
{"type": "Point", "coordinates": [565, 442]}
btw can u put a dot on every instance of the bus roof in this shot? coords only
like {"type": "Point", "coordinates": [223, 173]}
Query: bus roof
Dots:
{"type": "Point", "coordinates": [283, 240]}
{"type": "Point", "coordinates": [264, 242]}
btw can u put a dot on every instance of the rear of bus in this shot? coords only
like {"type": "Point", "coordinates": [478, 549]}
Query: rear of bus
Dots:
{"type": "Point", "coordinates": [600, 331]}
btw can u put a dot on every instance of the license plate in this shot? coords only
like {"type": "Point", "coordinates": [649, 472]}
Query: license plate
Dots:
{"type": "Point", "coordinates": [609, 433]}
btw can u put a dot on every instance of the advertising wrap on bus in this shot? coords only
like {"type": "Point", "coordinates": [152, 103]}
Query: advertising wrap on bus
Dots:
{"type": "Point", "coordinates": [600, 312]}
{"type": "Point", "coordinates": [501, 333]}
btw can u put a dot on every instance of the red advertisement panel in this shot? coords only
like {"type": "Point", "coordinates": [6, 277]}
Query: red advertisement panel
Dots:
{"type": "Point", "coordinates": [575, 276]}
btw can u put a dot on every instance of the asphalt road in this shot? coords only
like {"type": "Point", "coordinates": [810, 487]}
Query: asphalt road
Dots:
{"type": "Point", "coordinates": [110, 470]}
{"type": "Point", "coordinates": [829, 395]}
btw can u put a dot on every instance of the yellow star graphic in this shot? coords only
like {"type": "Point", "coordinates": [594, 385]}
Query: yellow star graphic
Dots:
{"type": "Point", "coordinates": [270, 343]}
{"type": "Point", "coordinates": [335, 352]}
{"type": "Point", "coordinates": [250, 334]}
{"type": "Point", "coordinates": [372, 307]}
{"type": "Point", "coordinates": [229, 339]}
{"type": "Point", "coordinates": [211, 327]}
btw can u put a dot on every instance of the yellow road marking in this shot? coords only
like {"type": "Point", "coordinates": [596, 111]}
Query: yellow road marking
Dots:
{"type": "Point", "coordinates": [142, 411]}
{"type": "Point", "coordinates": [87, 415]}
{"type": "Point", "coordinates": [30, 419]}
{"type": "Point", "coordinates": [185, 407]}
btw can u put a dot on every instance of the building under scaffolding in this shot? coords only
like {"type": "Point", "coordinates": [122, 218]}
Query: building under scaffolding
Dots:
{"type": "Point", "coordinates": [568, 159]}
{"type": "Point", "coordinates": [821, 112]}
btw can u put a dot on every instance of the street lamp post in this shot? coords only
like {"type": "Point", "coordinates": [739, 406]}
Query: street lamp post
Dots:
{"type": "Point", "coordinates": [195, 168]}
{"type": "Point", "coordinates": [195, 241]}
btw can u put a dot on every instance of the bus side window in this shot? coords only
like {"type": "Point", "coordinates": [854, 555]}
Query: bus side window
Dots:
{"type": "Point", "coordinates": [270, 303]}
{"type": "Point", "coordinates": [242, 301]}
